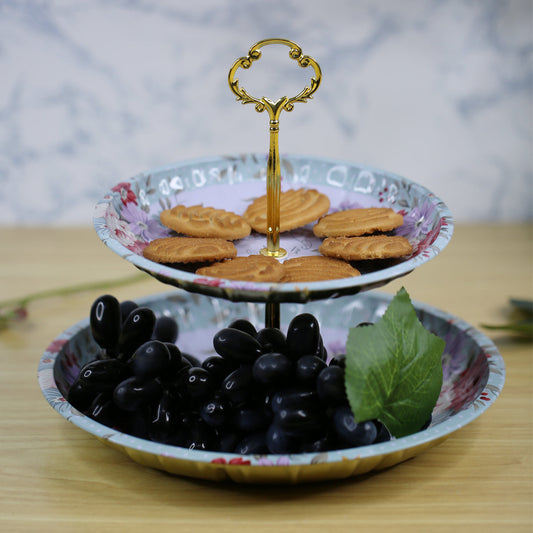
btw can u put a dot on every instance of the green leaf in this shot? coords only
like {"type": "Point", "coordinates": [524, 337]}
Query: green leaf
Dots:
{"type": "Point", "coordinates": [394, 369]}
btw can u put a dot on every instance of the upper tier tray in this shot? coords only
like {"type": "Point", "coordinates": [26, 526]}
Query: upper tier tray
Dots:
{"type": "Point", "coordinates": [127, 219]}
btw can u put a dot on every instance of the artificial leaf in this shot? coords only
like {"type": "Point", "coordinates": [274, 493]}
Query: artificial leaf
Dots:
{"type": "Point", "coordinates": [394, 369]}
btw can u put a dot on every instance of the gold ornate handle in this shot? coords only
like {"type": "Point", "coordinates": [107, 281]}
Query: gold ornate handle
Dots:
{"type": "Point", "coordinates": [274, 109]}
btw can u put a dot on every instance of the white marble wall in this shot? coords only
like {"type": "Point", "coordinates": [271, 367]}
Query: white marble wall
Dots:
{"type": "Point", "coordinates": [94, 91]}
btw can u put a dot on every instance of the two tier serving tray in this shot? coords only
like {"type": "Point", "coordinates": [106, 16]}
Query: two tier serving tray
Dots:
{"type": "Point", "coordinates": [127, 219]}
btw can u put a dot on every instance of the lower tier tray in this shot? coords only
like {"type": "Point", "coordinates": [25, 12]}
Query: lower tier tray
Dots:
{"type": "Point", "coordinates": [474, 374]}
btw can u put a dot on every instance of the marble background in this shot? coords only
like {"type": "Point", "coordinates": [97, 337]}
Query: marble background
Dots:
{"type": "Point", "coordinates": [95, 91]}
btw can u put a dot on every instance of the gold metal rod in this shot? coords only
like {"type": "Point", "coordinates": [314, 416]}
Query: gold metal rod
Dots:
{"type": "Point", "coordinates": [273, 194]}
{"type": "Point", "coordinates": [273, 248]}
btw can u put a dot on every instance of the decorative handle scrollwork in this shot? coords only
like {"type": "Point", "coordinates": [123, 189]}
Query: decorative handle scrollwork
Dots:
{"type": "Point", "coordinates": [284, 103]}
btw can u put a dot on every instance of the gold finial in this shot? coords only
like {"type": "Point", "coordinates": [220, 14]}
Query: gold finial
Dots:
{"type": "Point", "coordinates": [274, 109]}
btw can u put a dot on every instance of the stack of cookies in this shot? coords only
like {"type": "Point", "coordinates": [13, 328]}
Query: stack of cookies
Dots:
{"type": "Point", "coordinates": [208, 234]}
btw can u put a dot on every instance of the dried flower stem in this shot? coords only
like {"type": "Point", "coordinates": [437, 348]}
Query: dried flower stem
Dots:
{"type": "Point", "coordinates": [15, 309]}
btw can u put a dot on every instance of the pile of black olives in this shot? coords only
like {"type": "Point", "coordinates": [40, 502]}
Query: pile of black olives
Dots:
{"type": "Point", "coordinates": [264, 391]}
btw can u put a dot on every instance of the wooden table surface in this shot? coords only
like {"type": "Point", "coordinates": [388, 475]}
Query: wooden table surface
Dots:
{"type": "Point", "coordinates": [55, 477]}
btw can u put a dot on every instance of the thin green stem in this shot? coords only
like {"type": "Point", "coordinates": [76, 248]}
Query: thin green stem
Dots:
{"type": "Point", "coordinates": [64, 291]}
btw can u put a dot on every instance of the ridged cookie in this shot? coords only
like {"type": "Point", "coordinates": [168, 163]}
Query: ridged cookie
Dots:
{"type": "Point", "coordinates": [258, 268]}
{"type": "Point", "coordinates": [355, 222]}
{"type": "Point", "coordinates": [298, 207]}
{"type": "Point", "coordinates": [316, 268]}
{"type": "Point", "coordinates": [200, 221]}
{"type": "Point", "coordinates": [364, 248]}
{"type": "Point", "coordinates": [189, 250]}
